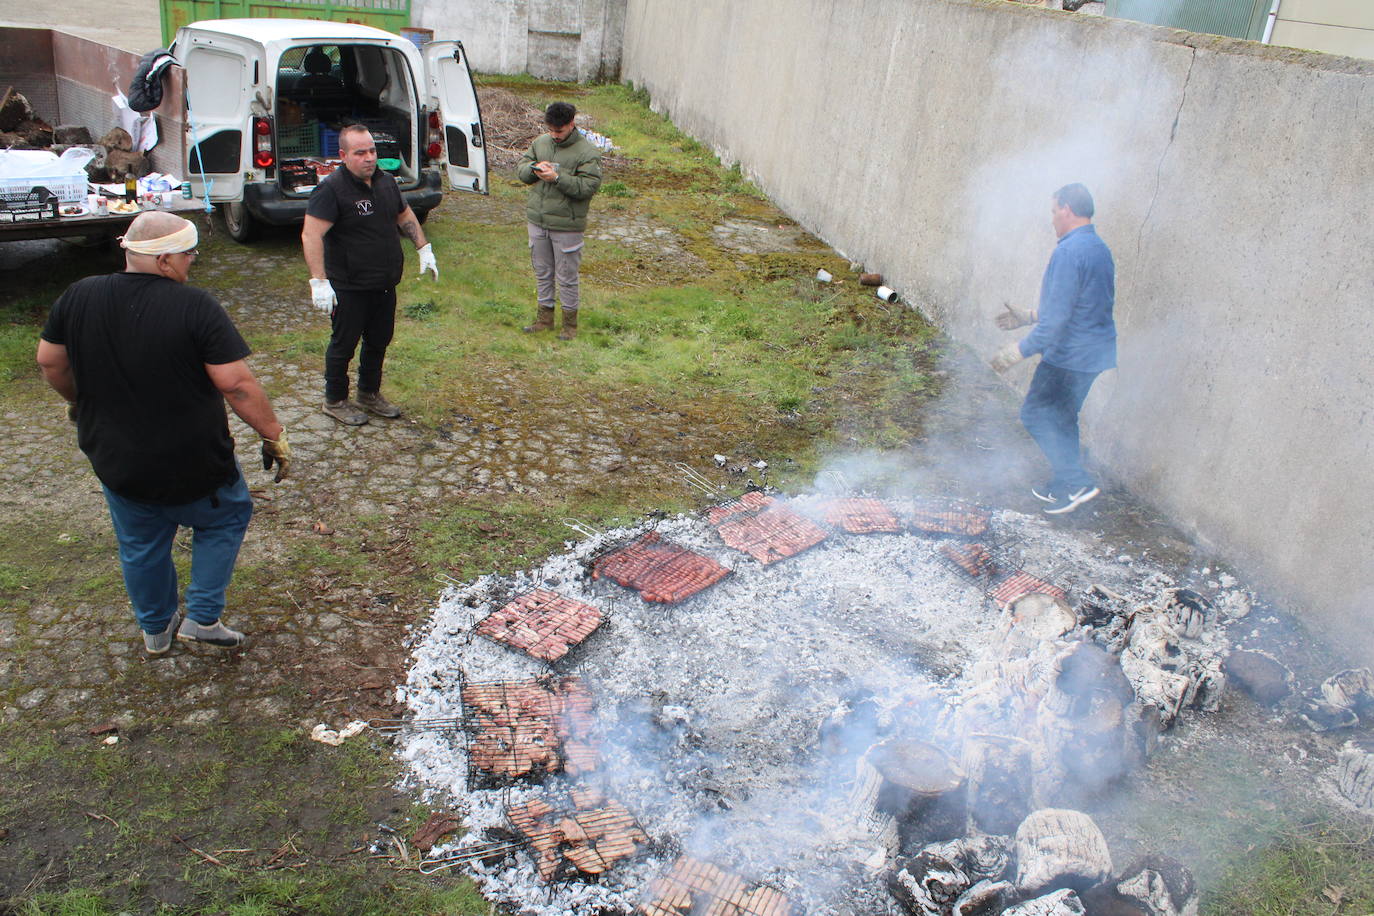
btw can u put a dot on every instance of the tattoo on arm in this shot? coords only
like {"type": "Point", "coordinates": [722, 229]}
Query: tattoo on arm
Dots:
{"type": "Point", "coordinates": [411, 230]}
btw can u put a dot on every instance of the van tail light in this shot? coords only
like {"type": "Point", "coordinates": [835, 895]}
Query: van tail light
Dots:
{"type": "Point", "coordinates": [264, 155]}
{"type": "Point", "coordinates": [434, 141]}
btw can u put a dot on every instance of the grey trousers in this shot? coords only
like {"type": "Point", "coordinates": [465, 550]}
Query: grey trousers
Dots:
{"type": "Point", "coordinates": [555, 255]}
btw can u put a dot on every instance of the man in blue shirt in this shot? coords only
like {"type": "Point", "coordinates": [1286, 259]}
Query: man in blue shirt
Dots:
{"type": "Point", "coordinates": [1076, 339]}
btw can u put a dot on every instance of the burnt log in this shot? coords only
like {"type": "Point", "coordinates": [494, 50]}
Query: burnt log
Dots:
{"type": "Point", "coordinates": [986, 898]}
{"type": "Point", "coordinates": [72, 135]}
{"type": "Point", "coordinates": [36, 132]}
{"type": "Point", "coordinates": [1160, 886]}
{"type": "Point", "coordinates": [117, 139]}
{"type": "Point", "coordinates": [1059, 848]}
{"type": "Point", "coordinates": [1060, 903]}
{"type": "Point", "coordinates": [1321, 716]}
{"type": "Point", "coordinates": [982, 858]}
{"type": "Point", "coordinates": [14, 109]}
{"type": "Point", "coordinates": [922, 787]}
{"type": "Point", "coordinates": [1355, 773]}
{"type": "Point", "coordinates": [1260, 675]}
{"type": "Point", "coordinates": [927, 884]}
{"type": "Point", "coordinates": [11, 140]}
{"type": "Point", "coordinates": [1085, 737]}
{"type": "Point", "coordinates": [1351, 689]}
{"type": "Point", "coordinates": [124, 164]}
{"type": "Point", "coordinates": [1186, 611]}
{"type": "Point", "coordinates": [999, 777]}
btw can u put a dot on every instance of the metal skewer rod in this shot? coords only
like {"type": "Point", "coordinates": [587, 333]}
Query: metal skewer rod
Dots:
{"type": "Point", "coordinates": [582, 528]}
{"type": "Point", "coordinates": [698, 481]}
{"type": "Point", "coordinates": [397, 726]}
{"type": "Point", "coordinates": [462, 856]}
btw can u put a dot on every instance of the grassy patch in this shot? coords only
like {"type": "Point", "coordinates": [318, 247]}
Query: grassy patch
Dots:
{"type": "Point", "coordinates": [1320, 868]}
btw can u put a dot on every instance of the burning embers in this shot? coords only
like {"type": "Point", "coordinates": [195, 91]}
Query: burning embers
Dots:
{"type": "Point", "coordinates": [765, 529]}
{"type": "Point", "coordinates": [542, 624]}
{"type": "Point", "coordinates": [582, 842]}
{"type": "Point", "coordinates": [696, 888]}
{"type": "Point", "coordinates": [659, 570]}
{"type": "Point", "coordinates": [528, 729]}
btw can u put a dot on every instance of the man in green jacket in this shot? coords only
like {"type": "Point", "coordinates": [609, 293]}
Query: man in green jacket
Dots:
{"type": "Point", "coordinates": [565, 171]}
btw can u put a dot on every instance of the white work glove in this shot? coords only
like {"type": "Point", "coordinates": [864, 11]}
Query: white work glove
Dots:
{"type": "Point", "coordinates": [1006, 357]}
{"type": "Point", "coordinates": [1014, 318]}
{"type": "Point", "coordinates": [322, 295]}
{"type": "Point", "coordinates": [427, 261]}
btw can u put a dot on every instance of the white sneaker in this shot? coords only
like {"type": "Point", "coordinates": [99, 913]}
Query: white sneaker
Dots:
{"type": "Point", "coordinates": [1067, 504]}
{"type": "Point", "coordinates": [216, 634]}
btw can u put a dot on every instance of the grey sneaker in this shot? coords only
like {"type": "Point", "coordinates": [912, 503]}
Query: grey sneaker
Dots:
{"type": "Point", "coordinates": [373, 402]}
{"type": "Point", "coordinates": [159, 643]}
{"type": "Point", "coordinates": [216, 634]}
{"type": "Point", "coordinates": [346, 412]}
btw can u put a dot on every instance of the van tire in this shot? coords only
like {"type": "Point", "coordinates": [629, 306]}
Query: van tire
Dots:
{"type": "Point", "coordinates": [239, 222]}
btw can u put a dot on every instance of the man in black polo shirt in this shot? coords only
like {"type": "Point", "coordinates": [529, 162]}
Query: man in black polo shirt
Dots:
{"type": "Point", "coordinates": [352, 246]}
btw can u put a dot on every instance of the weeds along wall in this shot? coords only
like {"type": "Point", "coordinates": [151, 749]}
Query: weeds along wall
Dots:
{"type": "Point", "coordinates": [1232, 182]}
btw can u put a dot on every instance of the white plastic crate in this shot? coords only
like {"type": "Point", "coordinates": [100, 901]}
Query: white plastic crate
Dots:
{"type": "Point", "coordinates": [70, 189]}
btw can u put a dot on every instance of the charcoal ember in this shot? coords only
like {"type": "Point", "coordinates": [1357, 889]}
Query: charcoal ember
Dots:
{"type": "Point", "coordinates": [999, 782]}
{"type": "Point", "coordinates": [981, 858]}
{"type": "Point", "coordinates": [72, 135]}
{"type": "Point", "coordinates": [1060, 903]}
{"type": "Point", "coordinates": [1351, 689]}
{"type": "Point", "coordinates": [1259, 674]}
{"type": "Point", "coordinates": [1355, 773]}
{"type": "Point", "coordinates": [1105, 901]}
{"type": "Point", "coordinates": [1060, 848]}
{"type": "Point", "coordinates": [117, 139]}
{"type": "Point", "coordinates": [986, 898]}
{"type": "Point", "coordinates": [1186, 611]}
{"type": "Point", "coordinates": [1160, 886]}
{"type": "Point", "coordinates": [1322, 716]}
{"type": "Point", "coordinates": [927, 884]}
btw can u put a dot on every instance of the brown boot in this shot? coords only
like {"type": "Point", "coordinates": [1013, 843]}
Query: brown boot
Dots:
{"type": "Point", "coordinates": [543, 321]}
{"type": "Point", "coordinates": [569, 325]}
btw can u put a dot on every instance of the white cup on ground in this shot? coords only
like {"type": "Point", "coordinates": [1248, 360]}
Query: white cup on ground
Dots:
{"type": "Point", "coordinates": [885, 293]}
{"type": "Point", "coordinates": [823, 276]}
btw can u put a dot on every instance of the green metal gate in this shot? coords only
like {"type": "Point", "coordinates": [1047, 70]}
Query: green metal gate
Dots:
{"type": "Point", "coordinates": [391, 15]}
{"type": "Point", "coordinates": [1237, 18]}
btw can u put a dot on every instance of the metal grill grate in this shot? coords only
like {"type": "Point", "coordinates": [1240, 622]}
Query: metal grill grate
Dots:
{"type": "Point", "coordinates": [764, 528]}
{"type": "Point", "coordinates": [542, 624]}
{"type": "Point", "coordinates": [577, 840]}
{"type": "Point", "coordinates": [659, 570]}
{"type": "Point", "coordinates": [693, 887]}
{"type": "Point", "coordinates": [528, 729]}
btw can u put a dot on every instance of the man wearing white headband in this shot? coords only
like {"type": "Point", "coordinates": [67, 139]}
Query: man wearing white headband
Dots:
{"type": "Point", "coordinates": [146, 364]}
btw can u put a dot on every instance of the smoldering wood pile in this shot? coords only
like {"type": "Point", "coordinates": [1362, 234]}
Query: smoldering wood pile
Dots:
{"type": "Point", "coordinates": [1063, 706]}
{"type": "Point", "coordinates": [22, 128]}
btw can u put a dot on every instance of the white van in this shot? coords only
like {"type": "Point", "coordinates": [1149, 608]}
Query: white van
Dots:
{"type": "Point", "coordinates": [265, 99]}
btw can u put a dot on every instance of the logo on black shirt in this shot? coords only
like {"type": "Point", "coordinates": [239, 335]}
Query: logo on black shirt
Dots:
{"type": "Point", "coordinates": [364, 207]}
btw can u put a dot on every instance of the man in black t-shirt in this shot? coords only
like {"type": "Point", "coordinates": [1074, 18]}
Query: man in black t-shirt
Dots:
{"type": "Point", "coordinates": [146, 364]}
{"type": "Point", "coordinates": [351, 241]}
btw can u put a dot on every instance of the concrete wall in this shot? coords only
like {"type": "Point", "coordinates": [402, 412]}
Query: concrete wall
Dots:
{"type": "Point", "coordinates": [550, 39]}
{"type": "Point", "coordinates": [1232, 182]}
{"type": "Point", "coordinates": [1334, 26]}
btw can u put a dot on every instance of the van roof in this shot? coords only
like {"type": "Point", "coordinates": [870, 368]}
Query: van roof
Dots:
{"type": "Point", "coordinates": [269, 30]}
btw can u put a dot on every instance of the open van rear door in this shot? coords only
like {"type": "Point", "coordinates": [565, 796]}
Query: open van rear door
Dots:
{"type": "Point", "coordinates": [219, 80]}
{"type": "Point", "coordinates": [451, 93]}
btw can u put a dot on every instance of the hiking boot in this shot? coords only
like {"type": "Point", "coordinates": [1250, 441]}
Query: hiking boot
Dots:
{"type": "Point", "coordinates": [346, 412]}
{"type": "Point", "coordinates": [373, 402]}
{"type": "Point", "coordinates": [1066, 504]}
{"type": "Point", "coordinates": [159, 643]}
{"type": "Point", "coordinates": [215, 634]}
{"type": "Point", "coordinates": [569, 325]}
{"type": "Point", "coordinates": [543, 321]}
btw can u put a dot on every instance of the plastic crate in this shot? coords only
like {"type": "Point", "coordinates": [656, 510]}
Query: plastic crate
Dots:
{"type": "Point", "coordinates": [299, 142]}
{"type": "Point", "coordinates": [329, 142]}
{"type": "Point", "coordinates": [70, 189]}
{"type": "Point", "coordinates": [388, 147]}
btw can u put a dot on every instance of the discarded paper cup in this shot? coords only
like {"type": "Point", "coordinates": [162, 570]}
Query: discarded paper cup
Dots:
{"type": "Point", "coordinates": [823, 276]}
{"type": "Point", "coordinates": [886, 294]}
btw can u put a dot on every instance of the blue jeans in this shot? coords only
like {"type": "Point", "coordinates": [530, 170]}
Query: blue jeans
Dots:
{"type": "Point", "coordinates": [145, 533]}
{"type": "Point", "coordinates": [1050, 415]}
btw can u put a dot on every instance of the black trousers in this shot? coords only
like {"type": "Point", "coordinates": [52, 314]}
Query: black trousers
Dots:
{"type": "Point", "coordinates": [368, 315]}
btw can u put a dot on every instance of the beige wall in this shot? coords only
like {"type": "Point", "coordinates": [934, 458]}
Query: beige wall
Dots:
{"type": "Point", "coordinates": [1233, 186]}
{"type": "Point", "coordinates": [1333, 26]}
